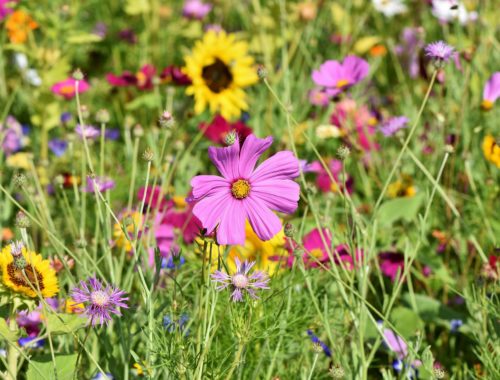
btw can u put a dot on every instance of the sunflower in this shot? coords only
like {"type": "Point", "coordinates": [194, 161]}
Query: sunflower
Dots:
{"type": "Point", "coordinates": [38, 274]}
{"type": "Point", "coordinates": [220, 68]}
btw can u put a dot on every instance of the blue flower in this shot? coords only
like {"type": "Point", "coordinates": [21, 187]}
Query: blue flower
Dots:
{"type": "Point", "coordinates": [58, 146]}
{"type": "Point", "coordinates": [173, 262]}
{"type": "Point", "coordinates": [27, 342]}
{"type": "Point", "coordinates": [172, 325]}
{"type": "Point", "coordinates": [65, 117]}
{"type": "Point", "coordinates": [455, 324]}
{"type": "Point", "coordinates": [316, 340]}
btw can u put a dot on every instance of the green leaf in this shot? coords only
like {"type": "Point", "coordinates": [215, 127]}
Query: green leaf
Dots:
{"type": "Point", "coordinates": [431, 310]}
{"type": "Point", "coordinates": [6, 333]}
{"type": "Point", "coordinates": [136, 7]}
{"type": "Point", "coordinates": [148, 101]}
{"type": "Point", "coordinates": [406, 321]}
{"type": "Point", "coordinates": [43, 366]}
{"type": "Point", "coordinates": [400, 208]}
{"type": "Point", "coordinates": [64, 323]}
{"type": "Point", "coordinates": [83, 38]}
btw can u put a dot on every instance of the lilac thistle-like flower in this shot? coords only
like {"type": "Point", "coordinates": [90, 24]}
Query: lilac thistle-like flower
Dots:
{"type": "Point", "coordinates": [101, 184]}
{"type": "Point", "coordinates": [241, 281]}
{"type": "Point", "coordinates": [439, 51]}
{"type": "Point", "coordinates": [337, 76]}
{"type": "Point", "coordinates": [100, 301]}
{"type": "Point", "coordinates": [196, 9]}
{"type": "Point", "coordinates": [390, 126]}
{"type": "Point", "coordinates": [491, 91]}
{"type": "Point", "coordinates": [87, 131]}
{"type": "Point", "coordinates": [245, 192]}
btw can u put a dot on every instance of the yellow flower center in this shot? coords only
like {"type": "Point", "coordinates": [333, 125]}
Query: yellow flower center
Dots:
{"type": "Point", "coordinates": [342, 83]}
{"type": "Point", "coordinates": [67, 89]}
{"type": "Point", "coordinates": [99, 298]}
{"type": "Point", "coordinates": [240, 189]}
{"type": "Point", "coordinates": [217, 76]}
{"type": "Point", "coordinates": [141, 78]}
{"type": "Point", "coordinates": [486, 105]}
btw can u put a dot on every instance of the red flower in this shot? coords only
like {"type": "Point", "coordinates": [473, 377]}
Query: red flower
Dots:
{"type": "Point", "coordinates": [143, 79]}
{"type": "Point", "coordinates": [173, 74]}
{"type": "Point", "coordinates": [217, 130]}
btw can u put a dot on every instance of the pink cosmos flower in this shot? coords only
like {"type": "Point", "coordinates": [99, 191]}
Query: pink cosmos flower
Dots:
{"type": "Point", "coordinates": [323, 180]}
{"type": "Point", "coordinates": [356, 120]}
{"type": "Point", "coordinates": [392, 264]}
{"type": "Point", "coordinates": [6, 8]}
{"type": "Point", "coordinates": [491, 91]}
{"type": "Point", "coordinates": [318, 97]}
{"type": "Point", "coordinates": [196, 9]}
{"type": "Point", "coordinates": [66, 88]}
{"type": "Point", "coordinates": [337, 77]}
{"type": "Point", "coordinates": [143, 79]}
{"type": "Point", "coordinates": [217, 130]}
{"type": "Point", "coordinates": [245, 192]}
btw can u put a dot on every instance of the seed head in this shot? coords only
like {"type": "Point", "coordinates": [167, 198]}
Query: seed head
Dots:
{"type": "Point", "coordinates": [166, 120]}
{"type": "Point", "coordinates": [22, 221]}
{"type": "Point", "coordinates": [262, 72]}
{"type": "Point", "coordinates": [78, 75]}
{"type": "Point", "coordinates": [102, 116]}
{"type": "Point", "coordinates": [289, 230]}
{"type": "Point", "coordinates": [439, 373]}
{"type": "Point", "coordinates": [317, 348]}
{"type": "Point", "coordinates": [230, 138]}
{"type": "Point", "coordinates": [20, 262]}
{"type": "Point", "coordinates": [337, 372]}
{"type": "Point", "coordinates": [148, 155]}
{"type": "Point", "coordinates": [138, 130]}
{"type": "Point", "coordinates": [19, 180]}
{"type": "Point", "coordinates": [343, 152]}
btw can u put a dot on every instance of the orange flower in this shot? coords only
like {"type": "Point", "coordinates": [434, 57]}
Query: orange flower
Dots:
{"type": "Point", "coordinates": [19, 25]}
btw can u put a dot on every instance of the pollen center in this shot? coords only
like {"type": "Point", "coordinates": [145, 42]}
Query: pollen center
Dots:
{"type": "Point", "coordinates": [240, 280]}
{"type": "Point", "coordinates": [486, 105]}
{"type": "Point", "coordinates": [217, 76]}
{"type": "Point", "coordinates": [67, 89]}
{"type": "Point", "coordinates": [342, 83]}
{"type": "Point", "coordinates": [240, 189]}
{"type": "Point", "coordinates": [99, 298]}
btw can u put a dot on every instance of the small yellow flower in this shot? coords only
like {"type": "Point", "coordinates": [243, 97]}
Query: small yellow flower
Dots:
{"type": "Point", "coordinates": [402, 188]}
{"type": "Point", "coordinates": [491, 150]}
{"type": "Point", "coordinates": [220, 68]}
{"type": "Point", "coordinates": [133, 224]}
{"type": "Point", "coordinates": [37, 274]}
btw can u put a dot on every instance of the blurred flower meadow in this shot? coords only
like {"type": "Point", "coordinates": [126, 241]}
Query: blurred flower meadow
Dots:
{"type": "Point", "coordinates": [279, 189]}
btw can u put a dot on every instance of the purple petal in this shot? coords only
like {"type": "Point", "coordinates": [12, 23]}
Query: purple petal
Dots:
{"type": "Point", "coordinates": [263, 221]}
{"type": "Point", "coordinates": [279, 194]}
{"type": "Point", "coordinates": [251, 150]}
{"type": "Point", "coordinates": [283, 165]}
{"type": "Point", "coordinates": [232, 223]}
{"type": "Point", "coordinates": [210, 209]}
{"type": "Point", "coordinates": [327, 75]}
{"type": "Point", "coordinates": [208, 184]}
{"type": "Point", "coordinates": [226, 160]}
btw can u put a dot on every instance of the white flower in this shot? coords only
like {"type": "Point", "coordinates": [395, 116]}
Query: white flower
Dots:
{"type": "Point", "coordinates": [21, 61]}
{"type": "Point", "coordinates": [390, 8]}
{"type": "Point", "coordinates": [450, 10]}
{"type": "Point", "coordinates": [328, 131]}
{"type": "Point", "coordinates": [33, 78]}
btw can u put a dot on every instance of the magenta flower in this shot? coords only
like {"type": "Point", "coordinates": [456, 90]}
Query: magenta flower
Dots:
{"type": "Point", "coordinates": [217, 130]}
{"type": "Point", "coordinates": [392, 264]}
{"type": "Point", "coordinates": [67, 88]}
{"type": "Point", "coordinates": [318, 97]}
{"type": "Point", "coordinates": [390, 126]}
{"type": "Point", "coordinates": [337, 77]}
{"type": "Point", "coordinates": [196, 9]}
{"type": "Point", "coordinates": [440, 51]}
{"type": "Point", "coordinates": [491, 91]}
{"type": "Point", "coordinates": [173, 74]}
{"type": "Point", "coordinates": [324, 181]}
{"type": "Point", "coordinates": [245, 192]}
{"type": "Point", "coordinates": [100, 184]}
{"type": "Point", "coordinates": [6, 8]}
{"type": "Point", "coordinates": [143, 79]}
{"type": "Point", "coordinates": [241, 282]}
{"type": "Point", "coordinates": [87, 131]}
{"type": "Point", "coordinates": [11, 136]}
{"type": "Point", "coordinates": [394, 342]}
{"type": "Point", "coordinates": [100, 302]}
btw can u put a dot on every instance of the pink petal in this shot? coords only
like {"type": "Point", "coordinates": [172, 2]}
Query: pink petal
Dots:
{"type": "Point", "coordinates": [279, 194]}
{"type": "Point", "coordinates": [232, 224]}
{"type": "Point", "coordinates": [356, 67]}
{"type": "Point", "coordinates": [327, 75]}
{"type": "Point", "coordinates": [226, 160]}
{"type": "Point", "coordinates": [492, 88]}
{"type": "Point", "coordinates": [210, 209]}
{"type": "Point", "coordinates": [204, 185]}
{"type": "Point", "coordinates": [263, 221]}
{"type": "Point", "coordinates": [283, 165]}
{"type": "Point", "coordinates": [251, 150]}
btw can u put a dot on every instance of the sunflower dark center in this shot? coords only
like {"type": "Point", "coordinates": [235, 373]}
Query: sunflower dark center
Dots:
{"type": "Point", "coordinates": [17, 277]}
{"type": "Point", "coordinates": [217, 76]}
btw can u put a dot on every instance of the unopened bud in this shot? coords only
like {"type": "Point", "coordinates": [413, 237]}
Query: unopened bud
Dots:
{"type": "Point", "coordinates": [230, 138]}
{"type": "Point", "coordinates": [343, 152]}
{"type": "Point", "coordinates": [289, 230]}
{"type": "Point", "coordinates": [317, 348]}
{"type": "Point", "coordinates": [78, 75]}
{"type": "Point", "coordinates": [20, 262]}
{"type": "Point", "coordinates": [148, 155]}
{"type": "Point", "coordinates": [337, 372]}
{"type": "Point", "coordinates": [85, 111]}
{"type": "Point", "coordinates": [448, 148]}
{"type": "Point", "coordinates": [102, 116]}
{"type": "Point", "coordinates": [81, 243]}
{"type": "Point", "coordinates": [439, 373]}
{"type": "Point", "coordinates": [138, 130]}
{"type": "Point", "coordinates": [166, 120]}
{"type": "Point", "coordinates": [262, 72]}
{"type": "Point", "coordinates": [19, 180]}
{"type": "Point", "coordinates": [22, 221]}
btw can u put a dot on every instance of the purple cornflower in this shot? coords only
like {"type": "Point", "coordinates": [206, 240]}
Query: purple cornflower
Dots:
{"type": "Point", "coordinates": [455, 324]}
{"type": "Point", "coordinates": [196, 9]}
{"type": "Point", "coordinates": [11, 136]}
{"type": "Point", "coordinates": [241, 281]}
{"type": "Point", "coordinates": [316, 340]}
{"type": "Point", "coordinates": [393, 124]}
{"type": "Point", "coordinates": [66, 117]}
{"type": "Point", "coordinates": [439, 51]}
{"type": "Point", "coordinates": [58, 146]}
{"type": "Point", "coordinates": [87, 131]}
{"type": "Point", "coordinates": [100, 302]}
{"type": "Point", "coordinates": [102, 184]}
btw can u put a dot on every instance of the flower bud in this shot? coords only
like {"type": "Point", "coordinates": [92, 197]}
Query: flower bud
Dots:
{"type": "Point", "coordinates": [289, 230]}
{"type": "Point", "coordinates": [262, 72]}
{"type": "Point", "coordinates": [78, 75]}
{"type": "Point", "coordinates": [343, 152]}
{"type": "Point", "coordinates": [166, 120]}
{"type": "Point", "coordinates": [19, 180]}
{"type": "Point", "coordinates": [148, 155]}
{"type": "Point", "coordinates": [230, 138]}
{"type": "Point", "coordinates": [20, 262]}
{"type": "Point", "coordinates": [337, 372]}
{"type": "Point", "coordinates": [102, 116]}
{"type": "Point", "coordinates": [22, 221]}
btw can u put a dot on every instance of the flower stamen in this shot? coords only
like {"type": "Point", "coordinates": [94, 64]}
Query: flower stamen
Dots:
{"type": "Point", "coordinates": [240, 189]}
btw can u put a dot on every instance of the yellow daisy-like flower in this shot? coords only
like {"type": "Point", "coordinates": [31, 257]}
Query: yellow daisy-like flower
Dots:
{"type": "Point", "coordinates": [37, 273]}
{"type": "Point", "coordinates": [402, 188]}
{"type": "Point", "coordinates": [491, 150]}
{"type": "Point", "coordinates": [266, 254]}
{"type": "Point", "coordinates": [219, 68]}
{"type": "Point", "coordinates": [133, 223]}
